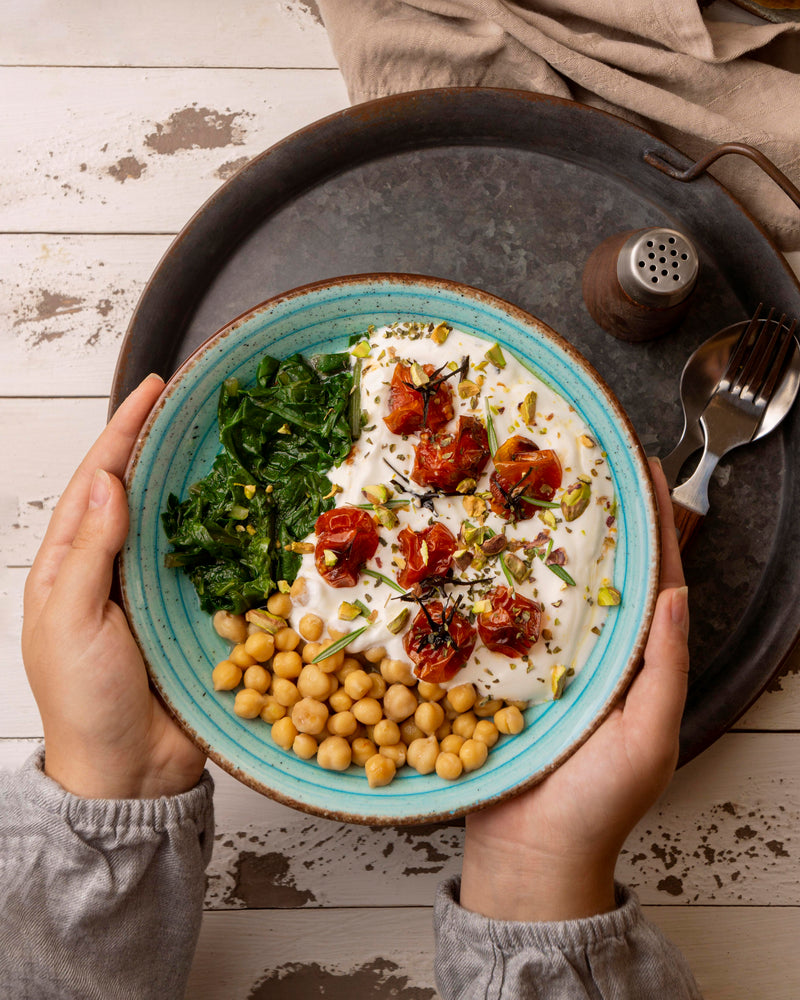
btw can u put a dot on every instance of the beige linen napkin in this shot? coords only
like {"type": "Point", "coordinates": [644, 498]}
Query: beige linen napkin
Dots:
{"type": "Point", "coordinates": [659, 63]}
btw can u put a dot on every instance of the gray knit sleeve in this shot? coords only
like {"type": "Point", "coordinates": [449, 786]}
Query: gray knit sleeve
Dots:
{"type": "Point", "coordinates": [615, 955]}
{"type": "Point", "coordinates": [99, 898]}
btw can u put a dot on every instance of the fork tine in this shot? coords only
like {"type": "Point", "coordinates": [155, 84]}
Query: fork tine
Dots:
{"type": "Point", "coordinates": [776, 371]}
{"type": "Point", "coordinates": [759, 357]}
{"type": "Point", "coordinates": [740, 351]}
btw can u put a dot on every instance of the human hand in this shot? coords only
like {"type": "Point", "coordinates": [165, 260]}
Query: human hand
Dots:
{"type": "Point", "coordinates": [105, 733]}
{"type": "Point", "coordinates": [550, 853]}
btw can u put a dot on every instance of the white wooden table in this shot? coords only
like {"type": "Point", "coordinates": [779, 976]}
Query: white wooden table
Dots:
{"type": "Point", "coordinates": [118, 121]}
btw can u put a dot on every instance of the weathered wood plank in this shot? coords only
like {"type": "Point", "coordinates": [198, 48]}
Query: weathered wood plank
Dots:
{"type": "Point", "coordinates": [149, 33]}
{"type": "Point", "coordinates": [382, 953]}
{"type": "Point", "coordinates": [139, 150]}
{"type": "Point", "coordinates": [66, 304]}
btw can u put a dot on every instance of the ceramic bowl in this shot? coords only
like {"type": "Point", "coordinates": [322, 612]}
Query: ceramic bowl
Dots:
{"type": "Point", "coordinates": [180, 647]}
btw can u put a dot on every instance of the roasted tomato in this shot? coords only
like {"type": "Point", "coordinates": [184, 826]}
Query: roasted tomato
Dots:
{"type": "Point", "coordinates": [346, 538]}
{"type": "Point", "coordinates": [439, 642]}
{"type": "Point", "coordinates": [427, 553]}
{"type": "Point", "coordinates": [522, 470]}
{"type": "Point", "coordinates": [512, 625]}
{"type": "Point", "coordinates": [407, 410]}
{"type": "Point", "coordinates": [443, 460]}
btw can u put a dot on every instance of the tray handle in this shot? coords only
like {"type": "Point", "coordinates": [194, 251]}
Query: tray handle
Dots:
{"type": "Point", "coordinates": [700, 166]}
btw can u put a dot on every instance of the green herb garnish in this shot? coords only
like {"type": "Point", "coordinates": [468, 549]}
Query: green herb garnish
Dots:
{"type": "Point", "coordinates": [339, 644]}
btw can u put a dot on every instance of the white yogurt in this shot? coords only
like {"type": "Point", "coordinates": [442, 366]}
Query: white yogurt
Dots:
{"type": "Point", "coordinates": [571, 616]}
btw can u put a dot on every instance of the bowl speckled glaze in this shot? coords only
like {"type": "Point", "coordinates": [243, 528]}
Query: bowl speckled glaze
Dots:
{"type": "Point", "coordinates": [179, 644]}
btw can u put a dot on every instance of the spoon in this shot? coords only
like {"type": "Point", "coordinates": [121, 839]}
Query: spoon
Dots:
{"type": "Point", "coordinates": [699, 378]}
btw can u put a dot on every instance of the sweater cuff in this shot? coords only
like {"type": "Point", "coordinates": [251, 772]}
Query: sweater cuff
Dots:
{"type": "Point", "coordinates": [558, 936]}
{"type": "Point", "coordinates": [125, 819]}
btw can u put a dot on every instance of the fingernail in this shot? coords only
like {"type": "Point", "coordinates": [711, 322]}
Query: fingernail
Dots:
{"type": "Point", "coordinates": [154, 375]}
{"type": "Point", "coordinates": [680, 606]}
{"type": "Point", "coordinates": [101, 489]}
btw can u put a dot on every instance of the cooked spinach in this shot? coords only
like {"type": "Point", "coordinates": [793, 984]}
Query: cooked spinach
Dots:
{"type": "Point", "coordinates": [268, 484]}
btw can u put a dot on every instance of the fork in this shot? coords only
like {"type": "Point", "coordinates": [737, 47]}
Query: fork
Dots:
{"type": "Point", "coordinates": [732, 415]}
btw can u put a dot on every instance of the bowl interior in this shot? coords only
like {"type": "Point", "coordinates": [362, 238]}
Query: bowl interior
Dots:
{"type": "Point", "coordinates": [178, 446]}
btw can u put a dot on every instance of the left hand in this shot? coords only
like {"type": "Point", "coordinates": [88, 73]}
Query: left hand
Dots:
{"type": "Point", "coordinates": [106, 735]}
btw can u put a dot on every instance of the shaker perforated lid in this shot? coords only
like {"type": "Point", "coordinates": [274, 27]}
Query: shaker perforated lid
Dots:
{"type": "Point", "coordinates": [657, 267]}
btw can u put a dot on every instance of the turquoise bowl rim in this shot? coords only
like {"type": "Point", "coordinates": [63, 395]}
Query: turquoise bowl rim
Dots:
{"type": "Point", "coordinates": [179, 646]}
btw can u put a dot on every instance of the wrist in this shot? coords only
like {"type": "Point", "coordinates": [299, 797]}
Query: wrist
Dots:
{"type": "Point", "coordinates": [534, 886]}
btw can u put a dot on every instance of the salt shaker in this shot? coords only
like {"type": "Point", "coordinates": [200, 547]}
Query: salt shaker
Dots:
{"type": "Point", "coordinates": [637, 285]}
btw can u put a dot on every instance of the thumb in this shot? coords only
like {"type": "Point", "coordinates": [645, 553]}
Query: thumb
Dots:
{"type": "Point", "coordinates": [83, 583]}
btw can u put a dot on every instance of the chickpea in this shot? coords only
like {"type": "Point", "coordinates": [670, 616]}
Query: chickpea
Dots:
{"type": "Point", "coordinates": [310, 627]}
{"type": "Point", "coordinates": [367, 710]}
{"type": "Point", "coordinates": [313, 683]}
{"type": "Point", "coordinates": [287, 663]}
{"type": "Point", "coordinates": [462, 697]}
{"type": "Point", "coordinates": [357, 684]}
{"type": "Point", "coordinates": [284, 733]}
{"type": "Point", "coordinates": [260, 645]}
{"type": "Point", "coordinates": [286, 639]}
{"type": "Point", "coordinates": [444, 730]}
{"type": "Point", "coordinates": [410, 731]}
{"type": "Point", "coordinates": [299, 591]}
{"type": "Point", "coordinates": [378, 687]}
{"type": "Point", "coordinates": [374, 654]}
{"type": "Point", "coordinates": [339, 700]}
{"type": "Point", "coordinates": [280, 605]}
{"type": "Point", "coordinates": [284, 691]}
{"type": "Point", "coordinates": [397, 672]}
{"type": "Point", "coordinates": [241, 657]}
{"type": "Point", "coordinates": [363, 749]}
{"type": "Point", "coordinates": [332, 662]}
{"type": "Point", "coordinates": [305, 746]}
{"type": "Point", "coordinates": [257, 678]}
{"type": "Point", "coordinates": [486, 731]}
{"type": "Point", "coordinates": [226, 676]}
{"type": "Point", "coordinates": [349, 664]}
{"type": "Point", "coordinates": [310, 716]}
{"type": "Point", "coordinates": [452, 743]}
{"type": "Point", "coordinates": [310, 651]}
{"type": "Point", "coordinates": [386, 733]}
{"type": "Point", "coordinates": [342, 724]}
{"type": "Point", "coordinates": [509, 720]}
{"type": "Point", "coordinates": [334, 754]}
{"type": "Point", "coordinates": [397, 752]}
{"type": "Point", "coordinates": [272, 710]}
{"type": "Point", "coordinates": [449, 766]}
{"type": "Point", "coordinates": [229, 626]}
{"type": "Point", "coordinates": [484, 708]}
{"type": "Point", "coordinates": [473, 754]}
{"type": "Point", "coordinates": [422, 754]}
{"type": "Point", "coordinates": [429, 716]}
{"type": "Point", "coordinates": [399, 702]}
{"type": "Point", "coordinates": [248, 703]}
{"type": "Point", "coordinates": [379, 770]}
{"type": "Point", "coordinates": [464, 724]}
{"type": "Point", "coordinates": [430, 692]}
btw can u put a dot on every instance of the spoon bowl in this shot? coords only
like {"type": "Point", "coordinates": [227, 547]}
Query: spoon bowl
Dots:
{"type": "Point", "coordinates": [699, 378]}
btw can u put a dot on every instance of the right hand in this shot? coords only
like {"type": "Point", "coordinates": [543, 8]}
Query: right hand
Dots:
{"type": "Point", "coordinates": [106, 735]}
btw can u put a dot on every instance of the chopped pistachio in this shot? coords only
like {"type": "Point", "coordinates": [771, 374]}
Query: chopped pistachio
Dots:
{"type": "Point", "coordinates": [418, 375]}
{"type": "Point", "coordinates": [494, 546]}
{"type": "Point", "coordinates": [265, 620]}
{"type": "Point", "coordinates": [396, 625]}
{"type": "Point", "coordinates": [347, 611]}
{"type": "Point", "coordinates": [387, 517]}
{"type": "Point", "coordinates": [440, 333]}
{"type": "Point", "coordinates": [335, 488]}
{"type": "Point", "coordinates": [462, 558]}
{"type": "Point", "coordinates": [474, 506]}
{"type": "Point", "coordinates": [377, 494]}
{"type": "Point", "coordinates": [481, 607]}
{"type": "Point", "coordinates": [250, 491]}
{"type": "Point", "coordinates": [329, 557]}
{"type": "Point", "coordinates": [496, 356]}
{"type": "Point", "coordinates": [250, 530]}
{"type": "Point", "coordinates": [548, 518]}
{"type": "Point", "coordinates": [575, 500]}
{"type": "Point", "coordinates": [467, 389]}
{"type": "Point", "coordinates": [527, 408]}
{"type": "Point", "coordinates": [558, 679]}
{"type": "Point", "coordinates": [466, 486]}
{"type": "Point", "coordinates": [586, 441]}
{"type": "Point", "coordinates": [470, 533]}
{"type": "Point", "coordinates": [516, 567]}
{"type": "Point", "coordinates": [608, 597]}
{"type": "Point", "coordinates": [361, 350]}
{"type": "Point", "coordinates": [423, 551]}
{"type": "Point", "coordinates": [284, 586]}
{"type": "Point", "coordinates": [284, 429]}
{"type": "Point", "coordinates": [299, 547]}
